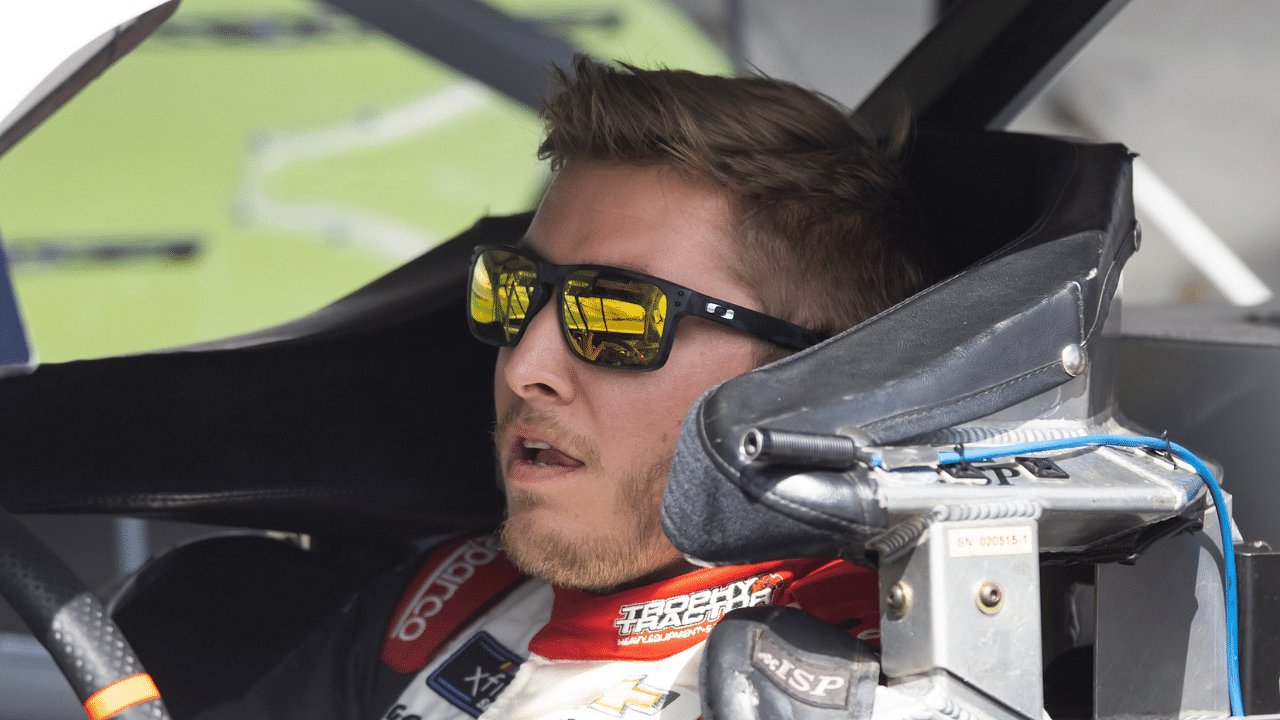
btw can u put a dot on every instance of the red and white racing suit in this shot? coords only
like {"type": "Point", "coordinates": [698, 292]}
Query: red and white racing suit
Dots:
{"type": "Point", "coordinates": [470, 636]}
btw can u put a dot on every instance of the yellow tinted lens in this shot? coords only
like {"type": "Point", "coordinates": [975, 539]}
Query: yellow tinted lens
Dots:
{"type": "Point", "coordinates": [613, 320]}
{"type": "Point", "coordinates": [502, 286]}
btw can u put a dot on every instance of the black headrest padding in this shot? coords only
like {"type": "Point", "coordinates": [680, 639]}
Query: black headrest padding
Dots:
{"type": "Point", "coordinates": [981, 341]}
{"type": "Point", "coordinates": [985, 338]}
{"type": "Point", "coordinates": [977, 194]}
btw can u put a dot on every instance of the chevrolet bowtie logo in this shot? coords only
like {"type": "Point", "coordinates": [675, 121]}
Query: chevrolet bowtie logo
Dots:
{"type": "Point", "coordinates": [631, 694]}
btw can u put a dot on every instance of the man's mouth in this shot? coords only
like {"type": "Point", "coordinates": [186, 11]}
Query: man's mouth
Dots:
{"type": "Point", "coordinates": [540, 453]}
{"type": "Point", "coordinates": [533, 448]}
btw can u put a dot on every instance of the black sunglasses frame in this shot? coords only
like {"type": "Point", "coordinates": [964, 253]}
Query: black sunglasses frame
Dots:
{"type": "Point", "coordinates": [681, 301]}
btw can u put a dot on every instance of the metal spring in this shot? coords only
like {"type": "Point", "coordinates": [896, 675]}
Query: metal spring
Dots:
{"type": "Point", "coordinates": [888, 544]}
{"type": "Point", "coordinates": [892, 542]}
{"type": "Point", "coordinates": [987, 511]}
{"type": "Point", "coordinates": [784, 447]}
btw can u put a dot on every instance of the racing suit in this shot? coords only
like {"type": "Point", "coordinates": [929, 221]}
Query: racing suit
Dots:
{"type": "Point", "coordinates": [470, 636]}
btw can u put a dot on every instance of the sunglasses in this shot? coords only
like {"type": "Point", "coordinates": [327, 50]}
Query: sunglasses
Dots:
{"type": "Point", "coordinates": [610, 317]}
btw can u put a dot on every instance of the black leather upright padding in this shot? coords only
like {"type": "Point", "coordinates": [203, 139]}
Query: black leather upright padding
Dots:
{"type": "Point", "coordinates": [1051, 224]}
{"type": "Point", "coordinates": [984, 339]}
{"type": "Point", "coordinates": [371, 416]}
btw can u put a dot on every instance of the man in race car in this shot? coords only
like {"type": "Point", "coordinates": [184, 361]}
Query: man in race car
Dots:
{"type": "Point", "coordinates": [697, 227]}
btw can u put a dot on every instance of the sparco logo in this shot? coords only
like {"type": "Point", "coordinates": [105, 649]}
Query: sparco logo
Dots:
{"type": "Point", "coordinates": [441, 584]}
{"type": "Point", "coordinates": [691, 609]}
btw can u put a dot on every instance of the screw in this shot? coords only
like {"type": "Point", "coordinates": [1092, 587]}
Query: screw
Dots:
{"type": "Point", "coordinates": [898, 599]}
{"type": "Point", "coordinates": [990, 598]}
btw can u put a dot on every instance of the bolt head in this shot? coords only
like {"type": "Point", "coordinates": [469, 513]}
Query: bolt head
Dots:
{"type": "Point", "coordinates": [990, 597]}
{"type": "Point", "coordinates": [898, 599]}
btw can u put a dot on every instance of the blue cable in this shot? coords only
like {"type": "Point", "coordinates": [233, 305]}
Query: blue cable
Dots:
{"type": "Point", "coordinates": [1224, 521]}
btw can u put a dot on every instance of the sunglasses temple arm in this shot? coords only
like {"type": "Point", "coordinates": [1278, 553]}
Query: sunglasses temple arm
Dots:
{"type": "Point", "coordinates": [766, 327]}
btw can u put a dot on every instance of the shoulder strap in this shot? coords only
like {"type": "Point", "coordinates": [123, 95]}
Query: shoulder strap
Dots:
{"type": "Point", "coordinates": [457, 583]}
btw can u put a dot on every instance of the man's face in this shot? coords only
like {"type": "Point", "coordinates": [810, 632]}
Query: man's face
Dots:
{"type": "Point", "coordinates": [583, 451]}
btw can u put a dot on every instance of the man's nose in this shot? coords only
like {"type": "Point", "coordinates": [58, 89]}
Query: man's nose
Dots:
{"type": "Point", "coordinates": [540, 366]}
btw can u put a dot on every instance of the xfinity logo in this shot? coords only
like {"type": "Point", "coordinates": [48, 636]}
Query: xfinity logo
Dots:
{"type": "Point", "coordinates": [720, 310]}
{"type": "Point", "coordinates": [475, 675]}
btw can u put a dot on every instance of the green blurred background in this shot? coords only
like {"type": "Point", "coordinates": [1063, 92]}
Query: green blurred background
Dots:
{"type": "Point", "coordinates": [256, 159]}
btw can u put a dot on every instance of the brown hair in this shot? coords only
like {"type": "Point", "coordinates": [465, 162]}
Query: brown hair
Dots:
{"type": "Point", "coordinates": [827, 233]}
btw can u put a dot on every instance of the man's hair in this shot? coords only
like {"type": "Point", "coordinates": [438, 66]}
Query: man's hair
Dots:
{"type": "Point", "coordinates": [827, 232]}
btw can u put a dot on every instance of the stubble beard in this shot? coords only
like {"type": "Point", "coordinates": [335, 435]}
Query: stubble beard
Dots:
{"type": "Point", "coordinates": [633, 548]}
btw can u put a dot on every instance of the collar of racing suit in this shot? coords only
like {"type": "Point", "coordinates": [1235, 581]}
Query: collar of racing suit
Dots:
{"type": "Point", "coordinates": [662, 618]}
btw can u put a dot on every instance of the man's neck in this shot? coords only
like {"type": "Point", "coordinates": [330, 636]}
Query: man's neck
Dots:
{"type": "Point", "coordinates": [666, 572]}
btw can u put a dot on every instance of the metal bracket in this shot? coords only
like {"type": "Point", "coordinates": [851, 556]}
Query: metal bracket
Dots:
{"type": "Point", "coordinates": [966, 601]}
